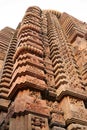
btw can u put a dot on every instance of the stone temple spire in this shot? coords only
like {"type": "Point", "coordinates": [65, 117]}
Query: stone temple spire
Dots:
{"type": "Point", "coordinates": [43, 79]}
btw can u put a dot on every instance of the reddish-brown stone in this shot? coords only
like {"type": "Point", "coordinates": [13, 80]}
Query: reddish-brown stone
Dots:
{"type": "Point", "coordinates": [43, 71]}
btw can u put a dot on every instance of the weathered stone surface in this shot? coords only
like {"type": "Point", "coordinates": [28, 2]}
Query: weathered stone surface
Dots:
{"type": "Point", "coordinates": [76, 91]}
{"type": "Point", "coordinates": [74, 110]}
{"type": "Point", "coordinates": [43, 72]}
{"type": "Point", "coordinates": [77, 127]}
{"type": "Point", "coordinates": [31, 102]}
{"type": "Point", "coordinates": [57, 128]}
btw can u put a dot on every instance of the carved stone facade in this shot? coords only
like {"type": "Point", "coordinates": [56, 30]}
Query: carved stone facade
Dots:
{"type": "Point", "coordinates": [43, 73]}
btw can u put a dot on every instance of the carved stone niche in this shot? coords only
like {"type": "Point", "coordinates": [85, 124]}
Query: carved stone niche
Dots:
{"type": "Point", "coordinates": [58, 128]}
{"type": "Point", "coordinates": [37, 122]}
{"type": "Point", "coordinates": [74, 110]}
{"type": "Point", "coordinates": [50, 79]}
{"type": "Point", "coordinates": [76, 127]}
{"type": "Point", "coordinates": [57, 115]}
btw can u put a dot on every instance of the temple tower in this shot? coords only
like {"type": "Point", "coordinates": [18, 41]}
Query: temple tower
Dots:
{"type": "Point", "coordinates": [44, 77]}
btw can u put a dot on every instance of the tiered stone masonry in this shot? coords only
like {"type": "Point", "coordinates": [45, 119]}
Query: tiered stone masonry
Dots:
{"type": "Point", "coordinates": [43, 79]}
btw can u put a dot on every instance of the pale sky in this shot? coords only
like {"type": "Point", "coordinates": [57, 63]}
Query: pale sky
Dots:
{"type": "Point", "coordinates": [12, 11]}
